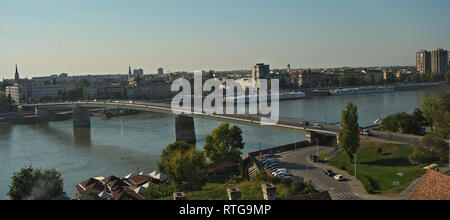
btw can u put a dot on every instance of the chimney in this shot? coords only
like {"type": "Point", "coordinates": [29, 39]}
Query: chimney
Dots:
{"type": "Point", "coordinates": [269, 191]}
{"type": "Point", "coordinates": [234, 194]}
{"type": "Point", "coordinates": [179, 196]}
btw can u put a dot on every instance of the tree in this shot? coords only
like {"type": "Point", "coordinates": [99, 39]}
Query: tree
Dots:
{"type": "Point", "coordinates": [405, 123]}
{"type": "Point", "coordinates": [6, 104]}
{"type": "Point", "coordinates": [369, 79]}
{"type": "Point", "coordinates": [83, 82]}
{"type": "Point", "coordinates": [348, 134]}
{"type": "Point", "coordinates": [442, 125]}
{"type": "Point", "coordinates": [429, 150]}
{"type": "Point", "coordinates": [187, 170]}
{"type": "Point", "coordinates": [430, 109]}
{"type": "Point", "coordinates": [181, 146]}
{"type": "Point", "coordinates": [224, 144]}
{"type": "Point", "coordinates": [34, 184]}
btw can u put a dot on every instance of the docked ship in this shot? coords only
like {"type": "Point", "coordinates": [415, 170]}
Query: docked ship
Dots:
{"type": "Point", "coordinates": [365, 90]}
{"type": "Point", "coordinates": [282, 97]}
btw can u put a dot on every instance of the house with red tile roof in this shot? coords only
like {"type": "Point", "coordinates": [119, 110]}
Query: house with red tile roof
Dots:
{"type": "Point", "coordinates": [433, 186]}
{"type": "Point", "coordinates": [111, 188]}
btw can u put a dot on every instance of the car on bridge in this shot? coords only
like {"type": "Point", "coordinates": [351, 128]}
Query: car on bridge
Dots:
{"type": "Point", "coordinates": [365, 132]}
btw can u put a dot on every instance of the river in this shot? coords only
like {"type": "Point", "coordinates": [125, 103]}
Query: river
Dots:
{"type": "Point", "coordinates": [134, 143]}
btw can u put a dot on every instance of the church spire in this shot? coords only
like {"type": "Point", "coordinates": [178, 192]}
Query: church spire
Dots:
{"type": "Point", "coordinates": [129, 72]}
{"type": "Point", "coordinates": [16, 77]}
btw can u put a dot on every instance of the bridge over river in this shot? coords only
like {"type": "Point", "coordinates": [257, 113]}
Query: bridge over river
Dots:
{"type": "Point", "coordinates": [316, 132]}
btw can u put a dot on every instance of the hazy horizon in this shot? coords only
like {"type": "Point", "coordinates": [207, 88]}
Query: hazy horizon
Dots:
{"type": "Point", "coordinates": [106, 36]}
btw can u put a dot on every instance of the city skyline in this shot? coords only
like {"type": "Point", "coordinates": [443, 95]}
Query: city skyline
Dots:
{"type": "Point", "coordinates": [84, 37]}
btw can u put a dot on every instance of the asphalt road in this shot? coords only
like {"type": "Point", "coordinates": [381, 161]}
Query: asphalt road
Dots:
{"type": "Point", "coordinates": [297, 164]}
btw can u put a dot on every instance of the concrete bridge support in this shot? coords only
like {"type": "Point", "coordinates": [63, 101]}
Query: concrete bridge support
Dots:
{"type": "Point", "coordinates": [81, 117]}
{"type": "Point", "coordinates": [185, 129]}
{"type": "Point", "coordinates": [39, 111]}
{"type": "Point", "coordinates": [323, 139]}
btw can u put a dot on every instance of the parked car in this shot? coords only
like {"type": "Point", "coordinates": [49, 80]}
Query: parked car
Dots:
{"type": "Point", "coordinates": [273, 166]}
{"type": "Point", "coordinates": [339, 177]}
{"type": "Point", "coordinates": [329, 172]}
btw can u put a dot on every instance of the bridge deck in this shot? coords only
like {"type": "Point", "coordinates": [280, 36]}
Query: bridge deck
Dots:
{"type": "Point", "coordinates": [284, 123]}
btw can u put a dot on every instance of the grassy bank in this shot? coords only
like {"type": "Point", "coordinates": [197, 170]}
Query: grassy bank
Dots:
{"type": "Point", "coordinates": [386, 173]}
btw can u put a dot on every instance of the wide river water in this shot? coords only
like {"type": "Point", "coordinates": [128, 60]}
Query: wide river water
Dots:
{"type": "Point", "coordinates": [134, 143]}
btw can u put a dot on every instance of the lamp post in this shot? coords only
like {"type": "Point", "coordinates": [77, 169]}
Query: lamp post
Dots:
{"type": "Point", "coordinates": [317, 141]}
{"type": "Point", "coordinates": [307, 169]}
{"type": "Point", "coordinates": [355, 169]}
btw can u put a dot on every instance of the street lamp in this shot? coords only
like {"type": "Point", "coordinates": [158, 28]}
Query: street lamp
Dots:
{"type": "Point", "coordinates": [317, 141]}
{"type": "Point", "coordinates": [307, 169]}
{"type": "Point", "coordinates": [355, 169]}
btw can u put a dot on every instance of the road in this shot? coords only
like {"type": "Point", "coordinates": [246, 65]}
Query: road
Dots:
{"type": "Point", "coordinates": [296, 162]}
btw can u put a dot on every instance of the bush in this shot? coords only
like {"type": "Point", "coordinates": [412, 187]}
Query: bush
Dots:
{"type": "Point", "coordinates": [36, 184]}
{"type": "Point", "coordinates": [429, 150]}
{"type": "Point", "coordinates": [159, 191]}
{"type": "Point", "coordinates": [297, 187]}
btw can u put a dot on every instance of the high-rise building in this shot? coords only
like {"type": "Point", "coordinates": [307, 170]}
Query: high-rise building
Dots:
{"type": "Point", "coordinates": [160, 71]}
{"type": "Point", "coordinates": [289, 68]}
{"type": "Point", "coordinates": [260, 71]}
{"type": "Point", "coordinates": [439, 61]}
{"type": "Point", "coordinates": [423, 61]}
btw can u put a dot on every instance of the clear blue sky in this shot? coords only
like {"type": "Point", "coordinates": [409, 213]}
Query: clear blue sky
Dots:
{"type": "Point", "coordinates": [105, 36]}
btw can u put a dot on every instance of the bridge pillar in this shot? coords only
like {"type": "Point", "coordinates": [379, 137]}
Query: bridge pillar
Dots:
{"type": "Point", "coordinates": [38, 111]}
{"type": "Point", "coordinates": [185, 129]}
{"type": "Point", "coordinates": [323, 139]}
{"type": "Point", "coordinates": [312, 136]}
{"type": "Point", "coordinates": [81, 117]}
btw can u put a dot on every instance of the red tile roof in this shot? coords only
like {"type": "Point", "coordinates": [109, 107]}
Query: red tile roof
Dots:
{"type": "Point", "coordinates": [433, 186]}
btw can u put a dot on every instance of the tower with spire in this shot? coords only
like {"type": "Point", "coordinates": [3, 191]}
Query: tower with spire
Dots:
{"type": "Point", "coordinates": [129, 73]}
{"type": "Point", "coordinates": [17, 77]}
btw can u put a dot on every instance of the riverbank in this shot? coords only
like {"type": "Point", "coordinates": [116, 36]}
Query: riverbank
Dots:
{"type": "Point", "coordinates": [397, 87]}
{"type": "Point", "coordinates": [30, 118]}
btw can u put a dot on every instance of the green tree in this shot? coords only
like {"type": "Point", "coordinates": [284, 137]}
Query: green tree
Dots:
{"type": "Point", "coordinates": [430, 108]}
{"type": "Point", "coordinates": [429, 150]}
{"type": "Point", "coordinates": [444, 103]}
{"type": "Point", "coordinates": [187, 170]}
{"type": "Point", "coordinates": [442, 125]}
{"type": "Point", "coordinates": [6, 104]}
{"type": "Point", "coordinates": [83, 82]}
{"type": "Point", "coordinates": [167, 153]}
{"type": "Point", "coordinates": [159, 191]}
{"type": "Point", "coordinates": [34, 184]}
{"type": "Point", "coordinates": [369, 79]}
{"type": "Point", "coordinates": [224, 144]}
{"type": "Point", "coordinates": [348, 134]}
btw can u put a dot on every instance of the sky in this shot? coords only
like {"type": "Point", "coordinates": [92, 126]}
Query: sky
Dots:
{"type": "Point", "coordinates": [106, 36]}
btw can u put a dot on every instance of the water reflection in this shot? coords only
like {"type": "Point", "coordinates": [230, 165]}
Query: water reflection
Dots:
{"type": "Point", "coordinates": [82, 137]}
{"type": "Point", "coordinates": [5, 134]}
